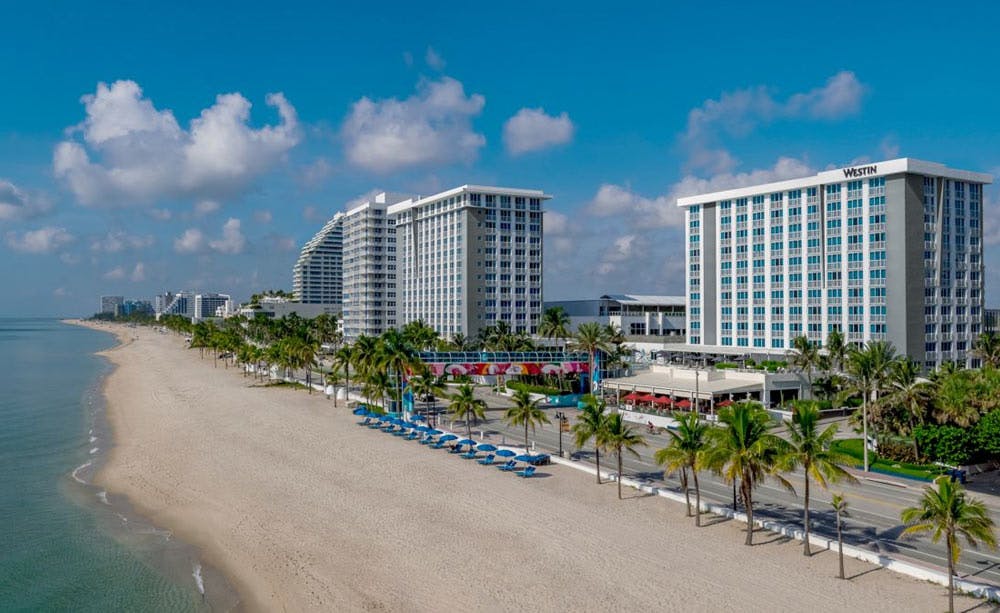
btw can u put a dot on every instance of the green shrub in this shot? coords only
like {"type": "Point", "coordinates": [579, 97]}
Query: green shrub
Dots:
{"type": "Point", "coordinates": [948, 444]}
{"type": "Point", "coordinates": [986, 435]}
{"type": "Point", "coordinates": [534, 389]}
{"type": "Point", "coordinates": [724, 365]}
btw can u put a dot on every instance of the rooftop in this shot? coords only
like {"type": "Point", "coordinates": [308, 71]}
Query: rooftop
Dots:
{"type": "Point", "coordinates": [839, 175]}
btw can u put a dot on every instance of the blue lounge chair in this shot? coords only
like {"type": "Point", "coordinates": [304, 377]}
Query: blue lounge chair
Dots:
{"type": "Point", "coordinates": [427, 440]}
{"type": "Point", "coordinates": [439, 444]}
{"type": "Point", "coordinates": [527, 472]}
{"type": "Point", "coordinates": [469, 455]}
{"type": "Point", "coordinates": [457, 449]}
{"type": "Point", "coordinates": [412, 436]}
{"type": "Point", "coordinates": [375, 424]}
{"type": "Point", "coordinates": [487, 460]}
{"type": "Point", "coordinates": [509, 466]}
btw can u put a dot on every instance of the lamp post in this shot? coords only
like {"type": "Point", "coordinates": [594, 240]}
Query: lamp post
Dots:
{"type": "Point", "coordinates": [560, 416]}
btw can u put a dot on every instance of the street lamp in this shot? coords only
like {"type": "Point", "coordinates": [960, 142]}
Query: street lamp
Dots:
{"type": "Point", "coordinates": [560, 417]}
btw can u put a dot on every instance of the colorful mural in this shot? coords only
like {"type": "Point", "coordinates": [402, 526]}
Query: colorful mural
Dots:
{"type": "Point", "coordinates": [510, 368]}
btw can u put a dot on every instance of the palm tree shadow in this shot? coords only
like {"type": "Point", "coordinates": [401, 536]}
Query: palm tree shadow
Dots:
{"type": "Point", "coordinates": [866, 572]}
{"type": "Point", "coordinates": [638, 495]}
{"type": "Point", "coordinates": [777, 538]}
{"type": "Point", "coordinates": [985, 605]}
{"type": "Point", "coordinates": [716, 521]}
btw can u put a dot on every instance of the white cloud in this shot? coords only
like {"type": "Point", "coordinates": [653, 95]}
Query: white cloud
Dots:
{"type": "Point", "coordinates": [532, 129]}
{"type": "Point", "coordinates": [116, 241]}
{"type": "Point", "coordinates": [434, 59]}
{"type": "Point", "coordinates": [138, 272]}
{"type": "Point", "coordinates": [192, 241]}
{"type": "Point", "coordinates": [433, 126]}
{"type": "Point", "coordinates": [738, 113]}
{"type": "Point", "coordinates": [312, 213]}
{"type": "Point", "coordinates": [160, 214]}
{"type": "Point", "coordinates": [42, 240]}
{"type": "Point", "coordinates": [262, 216]}
{"type": "Point", "coordinates": [133, 153]}
{"type": "Point", "coordinates": [662, 211]}
{"type": "Point", "coordinates": [15, 204]}
{"type": "Point", "coordinates": [203, 208]}
{"type": "Point", "coordinates": [115, 274]}
{"type": "Point", "coordinates": [232, 240]}
{"type": "Point", "coordinates": [60, 292]}
{"type": "Point", "coordinates": [315, 174]}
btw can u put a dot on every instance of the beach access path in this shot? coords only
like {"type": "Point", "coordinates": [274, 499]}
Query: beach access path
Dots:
{"type": "Point", "coordinates": [305, 510]}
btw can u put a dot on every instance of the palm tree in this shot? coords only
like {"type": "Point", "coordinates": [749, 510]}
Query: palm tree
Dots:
{"type": "Point", "coordinates": [332, 379]}
{"type": "Point", "coordinates": [420, 335]}
{"type": "Point", "coordinates": [869, 368]}
{"type": "Point", "coordinates": [951, 399]}
{"type": "Point", "coordinates": [465, 406]}
{"type": "Point", "coordinates": [589, 425]}
{"type": "Point", "coordinates": [809, 448]}
{"type": "Point", "coordinates": [525, 412]}
{"type": "Point", "coordinates": [554, 323]}
{"type": "Point", "coordinates": [397, 355]}
{"type": "Point", "coordinates": [987, 348]}
{"type": "Point", "coordinates": [805, 356]}
{"type": "Point", "coordinates": [911, 393]}
{"type": "Point", "coordinates": [840, 508]}
{"type": "Point", "coordinates": [744, 449]}
{"type": "Point", "coordinates": [947, 511]}
{"type": "Point", "coordinates": [591, 337]}
{"type": "Point", "coordinates": [617, 436]}
{"type": "Point", "coordinates": [836, 350]}
{"type": "Point", "coordinates": [687, 446]}
{"type": "Point", "coordinates": [342, 360]}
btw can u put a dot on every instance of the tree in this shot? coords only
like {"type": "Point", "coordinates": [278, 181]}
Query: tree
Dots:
{"type": "Point", "coordinates": [953, 399]}
{"type": "Point", "coordinates": [836, 350]}
{"type": "Point", "coordinates": [809, 448]}
{"type": "Point", "coordinates": [744, 449]}
{"type": "Point", "coordinates": [687, 446]}
{"type": "Point", "coordinates": [554, 323]}
{"type": "Point", "coordinates": [425, 386]}
{"type": "Point", "coordinates": [840, 508]}
{"type": "Point", "coordinates": [420, 335]}
{"type": "Point", "coordinates": [589, 425]}
{"type": "Point", "coordinates": [869, 367]}
{"type": "Point", "coordinates": [525, 412]}
{"type": "Point", "coordinates": [947, 511]}
{"type": "Point", "coordinates": [805, 356]}
{"type": "Point", "coordinates": [987, 348]}
{"type": "Point", "coordinates": [465, 406]}
{"type": "Point", "coordinates": [911, 394]}
{"type": "Point", "coordinates": [396, 354]}
{"type": "Point", "coordinates": [591, 337]}
{"type": "Point", "coordinates": [619, 437]}
{"type": "Point", "coordinates": [342, 360]}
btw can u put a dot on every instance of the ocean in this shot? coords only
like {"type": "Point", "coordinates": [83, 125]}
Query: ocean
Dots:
{"type": "Point", "coordinates": [66, 545]}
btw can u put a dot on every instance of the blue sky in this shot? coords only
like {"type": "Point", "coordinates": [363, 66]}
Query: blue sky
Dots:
{"type": "Point", "coordinates": [197, 147]}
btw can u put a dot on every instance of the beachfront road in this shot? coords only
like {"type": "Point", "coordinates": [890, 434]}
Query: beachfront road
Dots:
{"type": "Point", "coordinates": [875, 503]}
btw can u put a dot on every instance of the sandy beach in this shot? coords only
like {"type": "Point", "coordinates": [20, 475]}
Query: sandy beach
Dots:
{"type": "Point", "coordinates": [306, 511]}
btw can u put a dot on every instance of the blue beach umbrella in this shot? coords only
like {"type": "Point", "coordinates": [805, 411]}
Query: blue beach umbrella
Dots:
{"type": "Point", "coordinates": [525, 458]}
{"type": "Point", "coordinates": [360, 411]}
{"type": "Point", "coordinates": [506, 453]}
{"type": "Point", "coordinates": [448, 437]}
{"type": "Point", "coordinates": [486, 447]}
{"type": "Point", "coordinates": [433, 432]}
{"type": "Point", "coordinates": [419, 418]}
{"type": "Point", "coordinates": [466, 441]}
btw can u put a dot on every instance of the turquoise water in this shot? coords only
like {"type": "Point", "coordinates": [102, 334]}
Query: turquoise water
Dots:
{"type": "Point", "coordinates": [64, 545]}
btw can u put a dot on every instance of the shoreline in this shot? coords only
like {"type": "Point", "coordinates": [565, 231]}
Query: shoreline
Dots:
{"type": "Point", "coordinates": [90, 475]}
{"type": "Point", "coordinates": [303, 510]}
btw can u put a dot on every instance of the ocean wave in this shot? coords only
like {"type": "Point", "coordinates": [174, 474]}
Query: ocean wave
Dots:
{"type": "Point", "coordinates": [103, 497]}
{"type": "Point", "coordinates": [94, 450]}
{"type": "Point", "coordinates": [198, 580]}
{"type": "Point", "coordinates": [76, 472]}
{"type": "Point", "coordinates": [93, 438]}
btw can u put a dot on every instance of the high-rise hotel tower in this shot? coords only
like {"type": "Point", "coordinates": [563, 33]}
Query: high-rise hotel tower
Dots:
{"type": "Point", "coordinates": [317, 277]}
{"type": "Point", "coordinates": [470, 257]}
{"type": "Point", "coordinates": [884, 251]}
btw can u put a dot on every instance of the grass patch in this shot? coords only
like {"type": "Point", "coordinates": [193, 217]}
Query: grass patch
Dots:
{"type": "Point", "coordinates": [852, 447]}
{"type": "Point", "coordinates": [534, 389]}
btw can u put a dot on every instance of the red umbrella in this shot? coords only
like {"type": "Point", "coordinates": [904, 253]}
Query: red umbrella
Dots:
{"type": "Point", "coordinates": [724, 403]}
{"type": "Point", "coordinates": [631, 396]}
{"type": "Point", "coordinates": [683, 404]}
{"type": "Point", "coordinates": [664, 400]}
{"type": "Point", "coordinates": [647, 398]}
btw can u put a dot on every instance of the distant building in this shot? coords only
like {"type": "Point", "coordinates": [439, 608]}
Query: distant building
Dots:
{"type": "Point", "coordinates": [136, 307]}
{"type": "Point", "coordinates": [207, 306]}
{"type": "Point", "coordinates": [634, 314]}
{"type": "Point", "coordinates": [991, 321]}
{"type": "Point", "coordinates": [111, 304]}
{"type": "Point", "coordinates": [369, 290]}
{"type": "Point", "coordinates": [317, 277]}
{"type": "Point", "coordinates": [273, 307]}
{"type": "Point", "coordinates": [181, 303]}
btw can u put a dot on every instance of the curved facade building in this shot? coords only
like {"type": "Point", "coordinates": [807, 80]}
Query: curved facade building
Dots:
{"type": "Point", "coordinates": [317, 277]}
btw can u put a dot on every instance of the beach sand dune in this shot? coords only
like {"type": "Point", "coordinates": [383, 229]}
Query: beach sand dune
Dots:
{"type": "Point", "coordinates": [306, 511]}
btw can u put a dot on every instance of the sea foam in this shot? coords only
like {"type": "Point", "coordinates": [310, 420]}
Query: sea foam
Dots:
{"type": "Point", "coordinates": [197, 579]}
{"type": "Point", "coordinates": [76, 472]}
{"type": "Point", "coordinates": [103, 497]}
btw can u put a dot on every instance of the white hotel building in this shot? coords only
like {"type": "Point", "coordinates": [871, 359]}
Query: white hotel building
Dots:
{"type": "Point", "coordinates": [470, 257]}
{"type": "Point", "coordinates": [890, 250]}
